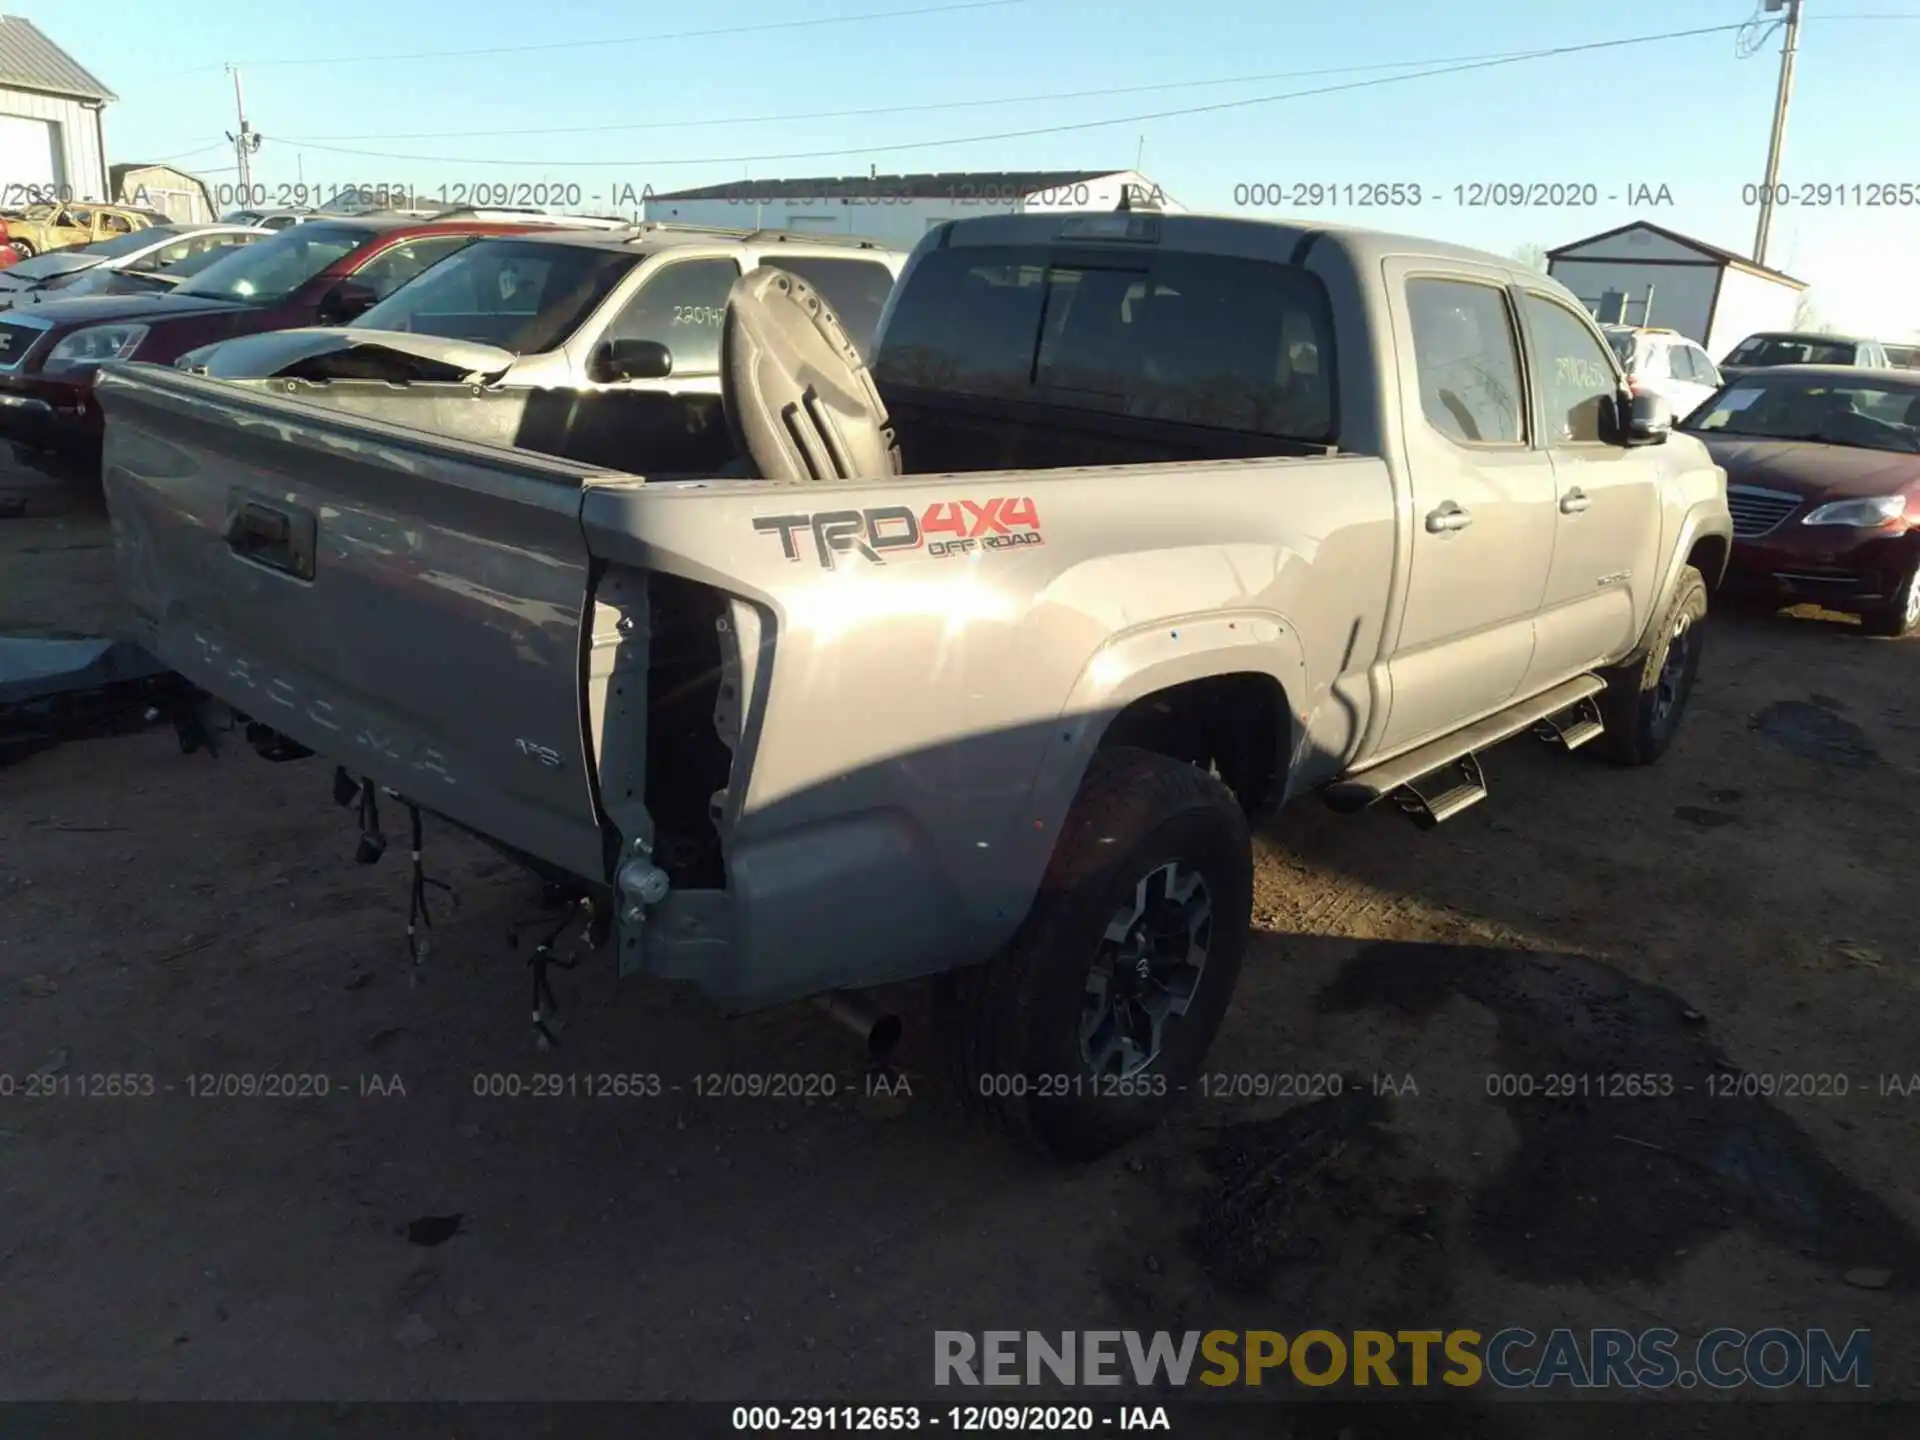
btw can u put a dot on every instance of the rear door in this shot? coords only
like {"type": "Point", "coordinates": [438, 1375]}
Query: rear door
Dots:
{"type": "Point", "coordinates": [1606, 515]}
{"type": "Point", "coordinates": [1483, 512]}
{"type": "Point", "coordinates": [405, 605]}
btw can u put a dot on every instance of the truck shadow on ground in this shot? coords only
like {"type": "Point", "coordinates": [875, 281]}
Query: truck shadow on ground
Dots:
{"type": "Point", "coordinates": [1353, 1209]}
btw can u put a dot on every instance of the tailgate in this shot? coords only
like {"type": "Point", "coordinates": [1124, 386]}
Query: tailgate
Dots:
{"type": "Point", "coordinates": [404, 604]}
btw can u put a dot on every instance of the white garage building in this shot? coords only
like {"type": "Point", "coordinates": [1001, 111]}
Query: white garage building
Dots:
{"type": "Point", "coordinates": [1642, 274]}
{"type": "Point", "coordinates": [51, 135]}
{"type": "Point", "coordinates": [898, 209]}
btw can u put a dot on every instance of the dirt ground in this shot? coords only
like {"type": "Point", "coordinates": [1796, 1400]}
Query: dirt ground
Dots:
{"type": "Point", "coordinates": [1743, 906]}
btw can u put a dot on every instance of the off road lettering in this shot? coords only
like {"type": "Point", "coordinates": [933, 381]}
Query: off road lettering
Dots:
{"type": "Point", "coordinates": [944, 528]}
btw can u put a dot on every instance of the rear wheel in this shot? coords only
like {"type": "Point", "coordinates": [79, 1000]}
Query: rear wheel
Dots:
{"type": "Point", "coordinates": [1899, 617]}
{"type": "Point", "coordinates": [1646, 696]}
{"type": "Point", "coordinates": [1085, 1029]}
{"type": "Point", "coordinates": [23, 250]}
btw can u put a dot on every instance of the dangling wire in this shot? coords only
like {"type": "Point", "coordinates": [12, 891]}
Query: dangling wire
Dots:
{"type": "Point", "coordinates": [373, 844]}
{"type": "Point", "coordinates": [545, 1004]}
{"type": "Point", "coordinates": [419, 917]}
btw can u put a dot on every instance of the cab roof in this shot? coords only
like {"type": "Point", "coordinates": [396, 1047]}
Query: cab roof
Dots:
{"type": "Point", "coordinates": [1272, 240]}
{"type": "Point", "coordinates": [654, 235]}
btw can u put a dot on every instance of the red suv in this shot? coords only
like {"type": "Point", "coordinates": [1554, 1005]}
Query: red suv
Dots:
{"type": "Point", "coordinates": [322, 273]}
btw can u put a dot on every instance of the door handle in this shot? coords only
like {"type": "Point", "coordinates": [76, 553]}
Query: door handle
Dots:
{"type": "Point", "coordinates": [1448, 517]}
{"type": "Point", "coordinates": [1574, 501]}
{"type": "Point", "coordinates": [280, 539]}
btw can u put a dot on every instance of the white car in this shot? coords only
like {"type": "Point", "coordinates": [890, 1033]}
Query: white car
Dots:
{"type": "Point", "coordinates": [1665, 363]}
{"type": "Point", "coordinates": [150, 251]}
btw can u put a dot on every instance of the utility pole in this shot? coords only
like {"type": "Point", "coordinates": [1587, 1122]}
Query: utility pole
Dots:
{"type": "Point", "coordinates": [1778, 138]}
{"type": "Point", "coordinates": [246, 142]}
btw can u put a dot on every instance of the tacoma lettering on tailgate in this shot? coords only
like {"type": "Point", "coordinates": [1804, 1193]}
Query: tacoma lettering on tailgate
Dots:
{"type": "Point", "coordinates": [945, 528]}
{"type": "Point", "coordinates": [358, 732]}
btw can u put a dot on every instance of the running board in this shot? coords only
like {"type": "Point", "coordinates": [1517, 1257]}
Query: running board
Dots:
{"type": "Point", "coordinates": [1573, 727]}
{"type": "Point", "coordinates": [1443, 777]}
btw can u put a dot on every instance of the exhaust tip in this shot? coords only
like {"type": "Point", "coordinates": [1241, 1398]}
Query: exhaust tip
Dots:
{"type": "Point", "coordinates": [879, 1029]}
{"type": "Point", "coordinates": [884, 1035]}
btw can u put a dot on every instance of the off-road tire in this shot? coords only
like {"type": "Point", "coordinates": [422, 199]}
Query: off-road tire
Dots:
{"type": "Point", "coordinates": [1639, 730]}
{"type": "Point", "coordinates": [1011, 1025]}
{"type": "Point", "coordinates": [1896, 620]}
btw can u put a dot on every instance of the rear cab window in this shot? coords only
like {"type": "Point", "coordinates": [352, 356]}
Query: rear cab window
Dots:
{"type": "Point", "coordinates": [856, 290]}
{"type": "Point", "coordinates": [1184, 337]}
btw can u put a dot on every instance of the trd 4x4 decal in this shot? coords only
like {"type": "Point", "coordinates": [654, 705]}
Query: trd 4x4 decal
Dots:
{"type": "Point", "coordinates": [943, 529]}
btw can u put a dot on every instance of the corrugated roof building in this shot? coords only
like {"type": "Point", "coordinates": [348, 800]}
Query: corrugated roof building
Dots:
{"type": "Point", "coordinates": [52, 136]}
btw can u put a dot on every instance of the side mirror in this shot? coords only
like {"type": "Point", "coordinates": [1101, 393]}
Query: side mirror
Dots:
{"type": "Point", "coordinates": [1649, 419]}
{"type": "Point", "coordinates": [346, 300]}
{"type": "Point", "coordinates": [630, 360]}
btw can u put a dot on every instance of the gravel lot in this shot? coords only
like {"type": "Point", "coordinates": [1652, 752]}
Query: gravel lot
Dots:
{"type": "Point", "coordinates": [1743, 906]}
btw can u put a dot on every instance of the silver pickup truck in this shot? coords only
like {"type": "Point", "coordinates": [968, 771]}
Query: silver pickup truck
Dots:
{"type": "Point", "coordinates": [1137, 527]}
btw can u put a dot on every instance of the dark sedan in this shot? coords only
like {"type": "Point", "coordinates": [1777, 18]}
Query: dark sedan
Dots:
{"type": "Point", "coordinates": [1823, 479]}
{"type": "Point", "coordinates": [323, 272]}
{"type": "Point", "coordinates": [1801, 347]}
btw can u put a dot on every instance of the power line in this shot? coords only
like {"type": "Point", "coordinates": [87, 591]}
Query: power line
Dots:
{"type": "Point", "coordinates": [602, 44]}
{"type": "Point", "coordinates": [1105, 90]}
{"type": "Point", "coordinates": [1038, 130]}
{"type": "Point", "coordinates": [189, 154]}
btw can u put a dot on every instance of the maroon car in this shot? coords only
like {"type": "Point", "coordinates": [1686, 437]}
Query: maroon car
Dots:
{"type": "Point", "coordinates": [1823, 479]}
{"type": "Point", "coordinates": [322, 273]}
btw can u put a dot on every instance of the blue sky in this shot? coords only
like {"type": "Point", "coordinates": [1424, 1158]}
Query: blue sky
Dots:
{"type": "Point", "coordinates": [1685, 114]}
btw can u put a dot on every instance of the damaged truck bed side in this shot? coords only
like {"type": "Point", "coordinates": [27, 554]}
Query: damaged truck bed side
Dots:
{"type": "Point", "coordinates": [1140, 526]}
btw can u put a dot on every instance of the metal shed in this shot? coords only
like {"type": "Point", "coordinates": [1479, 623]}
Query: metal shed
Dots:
{"type": "Point", "coordinates": [52, 136]}
{"type": "Point", "coordinates": [1643, 274]}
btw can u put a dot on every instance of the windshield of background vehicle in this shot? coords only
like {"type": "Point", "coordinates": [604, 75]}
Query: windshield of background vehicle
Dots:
{"type": "Point", "coordinates": [274, 269]}
{"type": "Point", "coordinates": [128, 244]}
{"type": "Point", "coordinates": [102, 281]}
{"type": "Point", "coordinates": [1875, 416]}
{"type": "Point", "coordinates": [1622, 343]}
{"type": "Point", "coordinates": [1208, 340]}
{"type": "Point", "coordinates": [523, 297]}
{"type": "Point", "coordinates": [1790, 350]}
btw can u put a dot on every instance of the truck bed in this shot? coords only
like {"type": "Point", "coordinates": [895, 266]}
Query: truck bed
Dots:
{"type": "Point", "coordinates": [813, 736]}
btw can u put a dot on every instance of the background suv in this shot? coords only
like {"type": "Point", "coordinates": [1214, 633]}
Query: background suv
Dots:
{"type": "Point", "coordinates": [608, 329]}
{"type": "Point", "coordinates": [1664, 363]}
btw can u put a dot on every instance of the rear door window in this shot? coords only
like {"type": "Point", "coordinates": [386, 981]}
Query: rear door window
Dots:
{"type": "Point", "coordinates": [1680, 362]}
{"type": "Point", "coordinates": [856, 289]}
{"type": "Point", "coordinates": [1204, 340]}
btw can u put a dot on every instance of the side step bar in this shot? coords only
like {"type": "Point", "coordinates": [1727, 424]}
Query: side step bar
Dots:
{"type": "Point", "coordinates": [1443, 777]}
